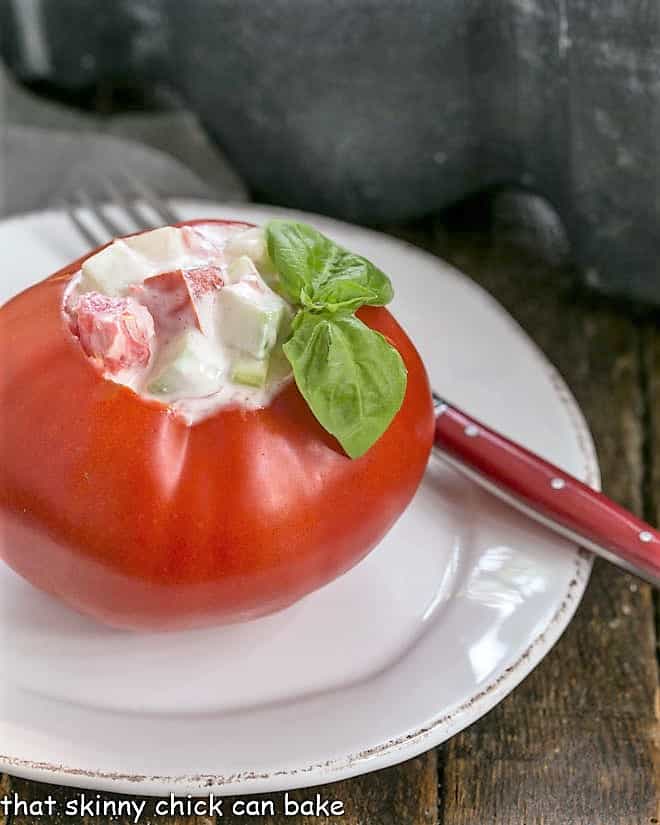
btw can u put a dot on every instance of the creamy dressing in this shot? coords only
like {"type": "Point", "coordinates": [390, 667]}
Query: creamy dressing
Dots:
{"type": "Point", "coordinates": [177, 276]}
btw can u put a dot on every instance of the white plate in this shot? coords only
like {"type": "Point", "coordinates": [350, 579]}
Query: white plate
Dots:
{"type": "Point", "coordinates": [459, 602]}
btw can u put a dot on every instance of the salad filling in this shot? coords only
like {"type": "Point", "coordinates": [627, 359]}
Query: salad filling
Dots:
{"type": "Point", "coordinates": [214, 314]}
{"type": "Point", "coordinates": [187, 316]}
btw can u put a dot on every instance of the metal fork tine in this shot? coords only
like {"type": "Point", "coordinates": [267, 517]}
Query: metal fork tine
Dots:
{"type": "Point", "coordinates": [92, 239]}
{"type": "Point", "coordinates": [155, 201]}
{"type": "Point", "coordinates": [117, 197]}
{"type": "Point", "coordinates": [126, 201]}
{"type": "Point", "coordinates": [113, 229]}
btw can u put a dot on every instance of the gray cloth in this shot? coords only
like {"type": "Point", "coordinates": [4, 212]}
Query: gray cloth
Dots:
{"type": "Point", "coordinates": [47, 151]}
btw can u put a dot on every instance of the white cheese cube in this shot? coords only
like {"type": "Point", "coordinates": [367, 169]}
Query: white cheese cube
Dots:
{"type": "Point", "coordinates": [249, 315]}
{"type": "Point", "coordinates": [112, 270]}
{"type": "Point", "coordinates": [190, 365]}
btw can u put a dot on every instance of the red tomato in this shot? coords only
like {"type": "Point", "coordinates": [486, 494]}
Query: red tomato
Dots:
{"type": "Point", "coordinates": [129, 515]}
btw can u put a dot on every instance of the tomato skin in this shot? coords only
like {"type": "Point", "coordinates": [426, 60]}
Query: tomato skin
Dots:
{"type": "Point", "coordinates": [116, 506]}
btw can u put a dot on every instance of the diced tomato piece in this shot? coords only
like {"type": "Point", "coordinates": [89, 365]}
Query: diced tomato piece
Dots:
{"type": "Point", "coordinates": [167, 298]}
{"type": "Point", "coordinates": [118, 332]}
{"type": "Point", "coordinates": [202, 280]}
{"type": "Point", "coordinates": [176, 299]}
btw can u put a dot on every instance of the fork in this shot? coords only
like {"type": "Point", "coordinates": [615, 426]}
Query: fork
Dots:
{"type": "Point", "coordinates": [129, 199]}
{"type": "Point", "coordinates": [509, 471]}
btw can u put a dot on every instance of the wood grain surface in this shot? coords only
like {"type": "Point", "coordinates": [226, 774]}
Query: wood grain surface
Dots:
{"type": "Point", "coordinates": [578, 741]}
{"type": "Point", "coordinates": [651, 351]}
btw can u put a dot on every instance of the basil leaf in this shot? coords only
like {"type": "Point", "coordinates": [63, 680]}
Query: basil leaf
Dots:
{"type": "Point", "coordinates": [296, 251]}
{"type": "Point", "coordinates": [318, 274]}
{"type": "Point", "coordinates": [348, 282]}
{"type": "Point", "coordinates": [353, 380]}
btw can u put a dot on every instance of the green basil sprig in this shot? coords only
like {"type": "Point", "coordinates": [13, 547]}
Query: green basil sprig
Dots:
{"type": "Point", "coordinates": [353, 380]}
{"type": "Point", "coordinates": [317, 274]}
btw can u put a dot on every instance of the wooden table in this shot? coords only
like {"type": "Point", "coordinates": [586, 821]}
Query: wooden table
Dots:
{"type": "Point", "coordinates": [579, 741]}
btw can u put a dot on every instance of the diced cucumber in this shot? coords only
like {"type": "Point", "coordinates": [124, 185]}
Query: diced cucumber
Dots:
{"type": "Point", "coordinates": [240, 268]}
{"type": "Point", "coordinates": [284, 330]}
{"type": "Point", "coordinates": [249, 314]}
{"type": "Point", "coordinates": [251, 243]}
{"type": "Point", "coordinates": [165, 245]}
{"type": "Point", "coordinates": [250, 371]}
{"type": "Point", "coordinates": [279, 367]}
{"type": "Point", "coordinates": [130, 260]}
{"type": "Point", "coordinates": [189, 365]}
{"type": "Point", "coordinates": [112, 270]}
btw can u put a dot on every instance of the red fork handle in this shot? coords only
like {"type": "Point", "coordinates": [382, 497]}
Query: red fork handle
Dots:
{"type": "Point", "coordinates": [547, 494]}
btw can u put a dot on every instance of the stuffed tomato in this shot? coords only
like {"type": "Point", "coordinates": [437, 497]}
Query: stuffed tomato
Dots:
{"type": "Point", "coordinates": [201, 424]}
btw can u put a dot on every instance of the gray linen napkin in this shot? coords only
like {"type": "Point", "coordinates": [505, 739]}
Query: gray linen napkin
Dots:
{"type": "Point", "coordinates": [48, 150]}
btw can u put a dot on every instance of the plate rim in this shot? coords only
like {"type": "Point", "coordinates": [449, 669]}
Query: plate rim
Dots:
{"type": "Point", "coordinates": [404, 746]}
